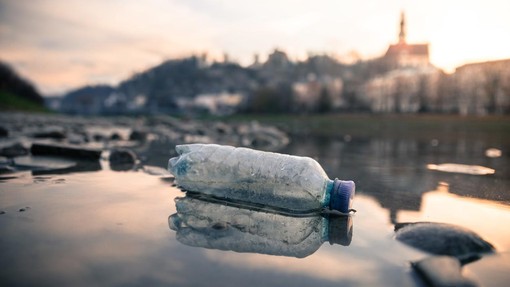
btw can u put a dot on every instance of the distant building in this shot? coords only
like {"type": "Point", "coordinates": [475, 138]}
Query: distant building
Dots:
{"type": "Point", "coordinates": [277, 60]}
{"type": "Point", "coordinates": [404, 90]}
{"type": "Point", "coordinates": [221, 104]}
{"type": "Point", "coordinates": [307, 94]}
{"type": "Point", "coordinates": [483, 88]}
{"type": "Point", "coordinates": [410, 83]}
{"type": "Point", "coordinates": [403, 54]}
{"type": "Point", "coordinates": [275, 70]}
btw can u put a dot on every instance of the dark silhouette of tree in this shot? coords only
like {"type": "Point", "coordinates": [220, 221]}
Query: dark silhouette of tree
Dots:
{"type": "Point", "coordinates": [13, 84]}
{"type": "Point", "coordinates": [324, 104]}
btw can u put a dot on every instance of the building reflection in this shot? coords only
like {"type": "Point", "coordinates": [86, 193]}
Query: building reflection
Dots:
{"type": "Point", "coordinates": [394, 170]}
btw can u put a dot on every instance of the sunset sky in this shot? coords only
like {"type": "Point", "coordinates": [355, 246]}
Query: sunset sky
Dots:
{"type": "Point", "coordinates": [64, 44]}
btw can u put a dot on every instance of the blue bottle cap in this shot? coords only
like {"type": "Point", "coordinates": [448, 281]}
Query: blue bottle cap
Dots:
{"type": "Point", "coordinates": [342, 195]}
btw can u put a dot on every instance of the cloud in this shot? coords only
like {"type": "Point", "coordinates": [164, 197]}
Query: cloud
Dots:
{"type": "Point", "coordinates": [49, 44]}
{"type": "Point", "coordinates": [123, 36]}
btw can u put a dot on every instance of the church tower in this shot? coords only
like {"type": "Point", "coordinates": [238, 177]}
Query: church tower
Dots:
{"type": "Point", "coordinates": [402, 34]}
{"type": "Point", "coordinates": [403, 54]}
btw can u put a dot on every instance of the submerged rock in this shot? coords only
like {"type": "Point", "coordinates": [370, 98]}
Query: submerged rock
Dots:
{"type": "Point", "coordinates": [442, 239]}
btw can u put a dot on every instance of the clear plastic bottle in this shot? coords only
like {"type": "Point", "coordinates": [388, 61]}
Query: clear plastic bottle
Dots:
{"type": "Point", "coordinates": [271, 179]}
{"type": "Point", "coordinates": [200, 222]}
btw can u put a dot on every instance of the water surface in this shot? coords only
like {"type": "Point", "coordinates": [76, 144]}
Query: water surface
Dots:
{"type": "Point", "coordinates": [111, 228]}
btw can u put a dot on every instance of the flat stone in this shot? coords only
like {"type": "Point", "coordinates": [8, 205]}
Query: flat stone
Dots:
{"type": "Point", "coordinates": [442, 239]}
{"type": "Point", "coordinates": [50, 134]}
{"type": "Point", "coordinates": [14, 150]}
{"type": "Point", "coordinates": [65, 151]}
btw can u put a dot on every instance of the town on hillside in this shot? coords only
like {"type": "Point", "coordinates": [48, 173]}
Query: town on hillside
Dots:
{"type": "Point", "coordinates": [403, 80]}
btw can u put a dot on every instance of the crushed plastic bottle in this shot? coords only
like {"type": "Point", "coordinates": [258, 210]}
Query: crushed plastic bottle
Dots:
{"type": "Point", "coordinates": [200, 222]}
{"type": "Point", "coordinates": [271, 179]}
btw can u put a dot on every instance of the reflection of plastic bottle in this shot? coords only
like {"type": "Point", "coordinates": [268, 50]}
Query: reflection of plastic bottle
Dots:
{"type": "Point", "coordinates": [214, 225]}
{"type": "Point", "coordinates": [278, 180]}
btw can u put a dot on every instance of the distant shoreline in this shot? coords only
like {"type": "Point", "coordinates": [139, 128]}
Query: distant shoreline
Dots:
{"type": "Point", "coordinates": [416, 126]}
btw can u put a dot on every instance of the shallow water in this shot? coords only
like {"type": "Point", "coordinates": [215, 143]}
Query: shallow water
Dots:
{"type": "Point", "coordinates": [112, 228]}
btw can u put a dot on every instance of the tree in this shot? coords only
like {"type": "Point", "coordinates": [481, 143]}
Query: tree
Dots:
{"type": "Point", "coordinates": [324, 104]}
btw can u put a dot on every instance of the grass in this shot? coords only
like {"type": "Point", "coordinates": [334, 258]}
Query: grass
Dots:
{"type": "Point", "coordinates": [444, 127]}
{"type": "Point", "coordinates": [10, 102]}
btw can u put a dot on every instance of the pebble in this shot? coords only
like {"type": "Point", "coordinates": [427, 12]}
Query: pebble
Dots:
{"type": "Point", "coordinates": [122, 159]}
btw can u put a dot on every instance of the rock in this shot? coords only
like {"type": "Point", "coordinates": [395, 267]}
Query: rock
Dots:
{"type": "Point", "coordinates": [98, 137]}
{"type": "Point", "coordinates": [2, 212]}
{"type": "Point", "coordinates": [52, 134]}
{"type": "Point", "coordinates": [3, 132]}
{"type": "Point", "coordinates": [122, 159]}
{"type": "Point", "coordinates": [137, 135]}
{"type": "Point", "coordinates": [14, 150]}
{"type": "Point", "coordinates": [76, 138]}
{"type": "Point", "coordinates": [442, 271]}
{"type": "Point", "coordinates": [65, 151]}
{"type": "Point", "coordinates": [157, 171]}
{"type": "Point", "coordinates": [222, 128]}
{"type": "Point", "coordinates": [115, 137]}
{"type": "Point", "coordinates": [442, 239]}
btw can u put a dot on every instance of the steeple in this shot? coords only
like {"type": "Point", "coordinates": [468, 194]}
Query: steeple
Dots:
{"type": "Point", "coordinates": [402, 34]}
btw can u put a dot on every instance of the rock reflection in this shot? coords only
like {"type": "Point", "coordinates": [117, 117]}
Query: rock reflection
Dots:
{"type": "Point", "coordinates": [461, 168]}
{"type": "Point", "coordinates": [209, 223]}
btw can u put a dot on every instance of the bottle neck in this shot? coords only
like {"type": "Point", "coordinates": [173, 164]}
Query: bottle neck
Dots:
{"type": "Point", "coordinates": [330, 185]}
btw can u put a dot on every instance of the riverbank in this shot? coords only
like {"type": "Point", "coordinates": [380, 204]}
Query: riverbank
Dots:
{"type": "Point", "coordinates": [440, 127]}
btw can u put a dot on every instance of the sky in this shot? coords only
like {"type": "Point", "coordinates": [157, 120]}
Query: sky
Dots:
{"type": "Point", "coordinates": [64, 44]}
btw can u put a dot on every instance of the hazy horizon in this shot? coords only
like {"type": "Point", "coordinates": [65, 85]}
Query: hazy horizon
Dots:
{"type": "Point", "coordinates": [60, 45]}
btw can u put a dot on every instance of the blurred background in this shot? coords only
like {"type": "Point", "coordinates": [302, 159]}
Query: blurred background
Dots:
{"type": "Point", "coordinates": [408, 98]}
{"type": "Point", "coordinates": [224, 57]}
